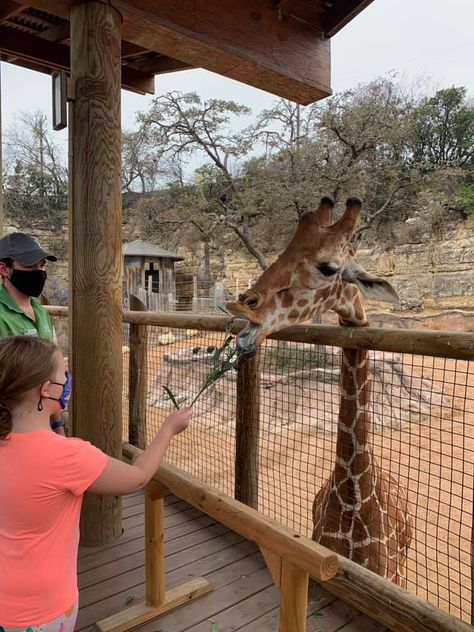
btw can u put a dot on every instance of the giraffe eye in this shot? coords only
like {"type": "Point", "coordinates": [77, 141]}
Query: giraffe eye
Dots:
{"type": "Point", "coordinates": [328, 269]}
{"type": "Point", "coordinates": [251, 302]}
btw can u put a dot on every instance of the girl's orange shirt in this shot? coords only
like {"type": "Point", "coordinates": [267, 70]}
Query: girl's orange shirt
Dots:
{"type": "Point", "coordinates": [43, 477]}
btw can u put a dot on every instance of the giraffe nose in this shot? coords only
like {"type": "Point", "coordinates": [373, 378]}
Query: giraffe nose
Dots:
{"type": "Point", "coordinates": [246, 339]}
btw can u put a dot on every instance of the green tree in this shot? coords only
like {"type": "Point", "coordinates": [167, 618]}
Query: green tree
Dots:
{"type": "Point", "coordinates": [444, 129]}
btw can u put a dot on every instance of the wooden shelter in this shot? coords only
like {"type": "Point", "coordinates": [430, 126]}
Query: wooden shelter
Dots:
{"type": "Point", "coordinates": [149, 274]}
{"type": "Point", "coordinates": [281, 46]}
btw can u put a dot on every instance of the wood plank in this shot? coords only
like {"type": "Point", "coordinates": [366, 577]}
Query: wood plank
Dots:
{"type": "Point", "coordinates": [172, 520]}
{"type": "Point", "coordinates": [141, 613]}
{"type": "Point", "coordinates": [317, 600]}
{"type": "Point", "coordinates": [136, 575]}
{"type": "Point", "coordinates": [285, 57]}
{"type": "Point", "coordinates": [241, 613]}
{"type": "Point", "coordinates": [362, 623]}
{"type": "Point", "coordinates": [56, 57]}
{"type": "Point", "coordinates": [235, 590]}
{"type": "Point", "coordinates": [137, 532]}
{"type": "Point", "coordinates": [107, 563]}
{"type": "Point", "coordinates": [160, 65]}
{"type": "Point", "coordinates": [218, 569]}
{"type": "Point", "coordinates": [332, 618]}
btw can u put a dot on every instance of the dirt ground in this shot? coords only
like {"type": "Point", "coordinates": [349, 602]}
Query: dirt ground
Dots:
{"type": "Point", "coordinates": [431, 454]}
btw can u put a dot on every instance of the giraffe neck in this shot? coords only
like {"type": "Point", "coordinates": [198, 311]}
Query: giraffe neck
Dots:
{"type": "Point", "coordinates": [354, 417]}
{"type": "Point", "coordinates": [354, 458]}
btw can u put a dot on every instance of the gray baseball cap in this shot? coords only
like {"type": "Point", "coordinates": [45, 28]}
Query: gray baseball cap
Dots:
{"type": "Point", "coordinates": [23, 248]}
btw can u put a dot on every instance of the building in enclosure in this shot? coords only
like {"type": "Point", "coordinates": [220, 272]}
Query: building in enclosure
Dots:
{"type": "Point", "coordinates": [150, 275]}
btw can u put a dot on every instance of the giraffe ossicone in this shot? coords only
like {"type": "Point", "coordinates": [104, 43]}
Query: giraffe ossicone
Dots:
{"type": "Point", "coordinates": [361, 511]}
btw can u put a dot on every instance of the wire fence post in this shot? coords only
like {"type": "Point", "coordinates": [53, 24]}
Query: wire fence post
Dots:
{"type": "Point", "coordinates": [247, 430]}
{"type": "Point", "coordinates": [137, 378]}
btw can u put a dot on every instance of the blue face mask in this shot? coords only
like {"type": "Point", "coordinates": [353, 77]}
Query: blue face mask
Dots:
{"type": "Point", "coordinates": [64, 397]}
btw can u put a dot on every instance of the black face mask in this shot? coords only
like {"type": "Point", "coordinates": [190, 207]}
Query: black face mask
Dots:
{"type": "Point", "coordinates": [29, 282]}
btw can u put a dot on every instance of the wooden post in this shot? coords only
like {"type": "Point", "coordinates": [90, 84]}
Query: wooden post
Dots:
{"type": "Point", "coordinates": [247, 430]}
{"type": "Point", "coordinates": [154, 547]}
{"type": "Point", "coordinates": [158, 601]}
{"type": "Point", "coordinates": [96, 248]}
{"type": "Point", "coordinates": [293, 598]}
{"type": "Point", "coordinates": [137, 378]}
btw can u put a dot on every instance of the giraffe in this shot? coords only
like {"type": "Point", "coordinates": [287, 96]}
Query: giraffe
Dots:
{"type": "Point", "coordinates": [361, 512]}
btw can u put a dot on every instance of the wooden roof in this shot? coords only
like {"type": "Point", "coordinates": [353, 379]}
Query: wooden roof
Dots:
{"type": "Point", "coordinates": [281, 46]}
{"type": "Point", "coordinates": [140, 248]}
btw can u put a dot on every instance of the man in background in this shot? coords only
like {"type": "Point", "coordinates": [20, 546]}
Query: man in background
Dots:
{"type": "Point", "coordinates": [23, 274]}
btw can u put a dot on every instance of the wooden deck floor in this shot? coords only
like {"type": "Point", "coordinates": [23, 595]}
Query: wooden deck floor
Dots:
{"type": "Point", "coordinates": [244, 598]}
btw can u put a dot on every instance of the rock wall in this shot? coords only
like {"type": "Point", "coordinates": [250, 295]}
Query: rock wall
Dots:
{"type": "Point", "coordinates": [434, 275]}
{"type": "Point", "coordinates": [430, 274]}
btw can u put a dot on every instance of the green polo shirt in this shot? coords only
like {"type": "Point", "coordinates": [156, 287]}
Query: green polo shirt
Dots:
{"type": "Point", "coordinates": [14, 321]}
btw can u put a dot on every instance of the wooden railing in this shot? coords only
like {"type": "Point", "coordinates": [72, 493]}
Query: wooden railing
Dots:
{"type": "Point", "coordinates": [291, 558]}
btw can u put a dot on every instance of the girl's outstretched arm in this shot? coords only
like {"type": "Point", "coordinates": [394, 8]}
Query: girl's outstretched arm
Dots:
{"type": "Point", "coordinates": [119, 478]}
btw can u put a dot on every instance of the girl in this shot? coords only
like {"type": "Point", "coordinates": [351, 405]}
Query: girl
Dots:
{"type": "Point", "coordinates": [43, 478]}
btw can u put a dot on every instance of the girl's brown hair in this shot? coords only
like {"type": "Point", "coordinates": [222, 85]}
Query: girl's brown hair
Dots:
{"type": "Point", "coordinates": [25, 362]}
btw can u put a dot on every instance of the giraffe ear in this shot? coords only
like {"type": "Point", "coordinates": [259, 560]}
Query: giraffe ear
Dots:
{"type": "Point", "coordinates": [372, 287]}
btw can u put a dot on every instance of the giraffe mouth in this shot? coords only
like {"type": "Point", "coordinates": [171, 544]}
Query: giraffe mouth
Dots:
{"type": "Point", "coordinates": [247, 340]}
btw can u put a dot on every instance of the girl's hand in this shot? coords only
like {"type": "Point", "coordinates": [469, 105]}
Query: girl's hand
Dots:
{"type": "Point", "coordinates": [178, 421]}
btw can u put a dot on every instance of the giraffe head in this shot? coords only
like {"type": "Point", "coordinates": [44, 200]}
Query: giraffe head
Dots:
{"type": "Point", "coordinates": [315, 273]}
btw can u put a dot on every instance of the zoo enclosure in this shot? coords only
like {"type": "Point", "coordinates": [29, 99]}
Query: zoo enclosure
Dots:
{"type": "Point", "coordinates": [280, 449]}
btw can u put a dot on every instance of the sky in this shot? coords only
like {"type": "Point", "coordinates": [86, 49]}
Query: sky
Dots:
{"type": "Point", "coordinates": [431, 39]}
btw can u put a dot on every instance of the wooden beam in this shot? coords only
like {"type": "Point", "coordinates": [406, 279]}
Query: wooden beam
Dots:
{"type": "Point", "coordinates": [33, 48]}
{"type": "Point", "coordinates": [302, 552]}
{"type": "Point", "coordinates": [307, 11]}
{"type": "Point", "coordinates": [273, 563]}
{"type": "Point", "coordinates": [95, 263]}
{"type": "Point", "coordinates": [389, 604]}
{"type": "Point", "coordinates": [154, 550]}
{"type": "Point", "coordinates": [241, 40]}
{"type": "Point", "coordinates": [293, 598]}
{"type": "Point", "coordinates": [445, 344]}
{"type": "Point", "coordinates": [8, 9]}
{"type": "Point", "coordinates": [130, 50]}
{"type": "Point", "coordinates": [59, 33]}
{"type": "Point", "coordinates": [60, 8]}
{"type": "Point", "coordinates": [137, 81]}
{"type": "Point", "coordinates": [160, 65]}
{"type": "Point", "coordinates": [341, 13]}
{"type": "Point", "coordinates": [56, 57]}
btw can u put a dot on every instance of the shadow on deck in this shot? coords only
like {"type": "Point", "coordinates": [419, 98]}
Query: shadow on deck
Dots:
{"type": "Point", "coordinates": [244, 598]}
